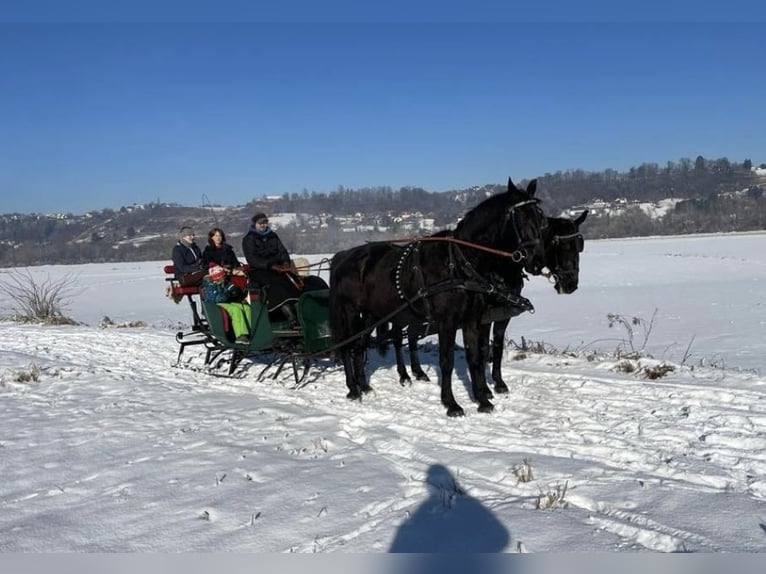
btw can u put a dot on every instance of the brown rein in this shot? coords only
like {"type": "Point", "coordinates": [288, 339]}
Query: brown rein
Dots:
{"type": "Point", "coordinates": [516, 256]}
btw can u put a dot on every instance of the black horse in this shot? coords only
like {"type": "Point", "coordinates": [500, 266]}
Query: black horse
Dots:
{"type": "Point", "coordinates": [444, 281]}
{"type": "Point", "coordinates": [563, 244]}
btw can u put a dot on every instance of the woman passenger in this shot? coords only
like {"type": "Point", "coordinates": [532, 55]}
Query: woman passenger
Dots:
{"type": "Point", "coordinates": [218, 252]}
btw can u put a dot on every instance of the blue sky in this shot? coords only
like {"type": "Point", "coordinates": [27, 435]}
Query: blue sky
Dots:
{"type": "Point", "coordinates": [105, 114]}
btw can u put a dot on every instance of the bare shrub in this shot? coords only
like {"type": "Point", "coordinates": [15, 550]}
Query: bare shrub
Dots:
{"type": "Point", "coordinates": [106, 322]}
{"type": "Point", "coordinates": [38, 301]}
{"type": "Point", "coordinates": [630, 325]}
{"type": "Point", "coordinates": [523, 472]}
{"type": "Point", "coordinates": [625, 367]}
{"type": "Point", "coordinates": [539, 347]}
{"type": "Point", "coordinates": [553, 498]}
{"type": "Point", "coordinates": [31, 374]}
{"type": "Point", "coordinates": [657, 371]}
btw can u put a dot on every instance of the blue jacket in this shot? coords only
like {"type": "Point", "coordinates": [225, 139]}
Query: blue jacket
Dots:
{"type": "Point", "coordinates": [214, 291]}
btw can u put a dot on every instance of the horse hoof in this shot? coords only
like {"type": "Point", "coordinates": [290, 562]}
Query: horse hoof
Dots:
{"type": "Point", "coordinates": [354, 396]}
{"type": "Point", "coordinates": [405, 381]}
{"type": "Point", "coordinates": [486, 407]}
{"type": "Point", "coordinates": [366, 389]}
{"type": "Point", "coordinates": [455, 411]}
{"type": "Point", "coordinates": [501, 388]}
{"type": "Point", "coordinates": [422, 377]}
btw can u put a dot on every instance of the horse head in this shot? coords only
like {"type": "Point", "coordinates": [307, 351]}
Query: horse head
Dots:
{"type": "Point", "coordinates": [563, 245]}
{"type": "Point", "coordinates": [527, 223]}
{"type": "Point", "coordinates": [512, 222]}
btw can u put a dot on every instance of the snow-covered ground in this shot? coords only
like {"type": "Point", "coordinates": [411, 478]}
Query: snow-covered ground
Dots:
{"type": "Point", "coordinates": [113, 449]}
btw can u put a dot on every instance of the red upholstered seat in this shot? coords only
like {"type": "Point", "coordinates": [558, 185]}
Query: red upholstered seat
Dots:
{"type": "Point", "coordinates": [239, 281]}
{"type": "Point", "coordinates": [179, 290]}
{"type": "Point", "coordinates": [188, 290]}
{"type": "Point", "coordinates": [226, 320]}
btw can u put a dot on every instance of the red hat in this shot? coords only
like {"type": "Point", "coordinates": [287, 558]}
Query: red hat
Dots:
{"type": "Point", "coordinates": [217, 273]}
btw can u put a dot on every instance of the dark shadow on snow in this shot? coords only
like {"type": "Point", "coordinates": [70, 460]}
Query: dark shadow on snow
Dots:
{"type": "Point", "coordinates": [451, 529]}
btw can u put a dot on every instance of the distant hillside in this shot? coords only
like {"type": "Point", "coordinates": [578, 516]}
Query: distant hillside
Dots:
{"type": "Point", "coordinates": [681, 197]}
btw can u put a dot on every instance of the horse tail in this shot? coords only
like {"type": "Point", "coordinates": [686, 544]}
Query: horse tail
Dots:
{"type": "Point", "coordinates": [342, 310]}
{"type": "Point", "coordinates": [335, 303]}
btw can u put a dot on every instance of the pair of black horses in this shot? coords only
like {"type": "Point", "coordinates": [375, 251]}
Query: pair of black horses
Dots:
{"type": "Point", "coordinates": [465, 279]}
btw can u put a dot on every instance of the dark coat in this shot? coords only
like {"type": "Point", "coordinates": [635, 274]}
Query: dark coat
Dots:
{"type": "Point", "coordinates": [223, 256]}
{"type": "Point", "coordinates": [262, 252]}
{"type": "Point", "coordinates": [187, 258]}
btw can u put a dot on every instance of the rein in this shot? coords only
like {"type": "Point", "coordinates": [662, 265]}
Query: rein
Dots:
{"type": "Point", "coordinates": [516, 256]}
{"type": "Point", "coordinates": [320, 264]}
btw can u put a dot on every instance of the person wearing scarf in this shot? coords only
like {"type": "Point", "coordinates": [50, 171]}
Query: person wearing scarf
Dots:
{"type": "Point", "coordinates": [269, 264]}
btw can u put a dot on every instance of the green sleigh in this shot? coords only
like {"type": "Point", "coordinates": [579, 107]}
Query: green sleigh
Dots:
{"type": "Point", "coordinates": [273, 341]}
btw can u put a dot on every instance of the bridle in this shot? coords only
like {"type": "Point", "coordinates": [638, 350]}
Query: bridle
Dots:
{"type": "Point", "coordinates": [552, 258]}
{"type": "Point", "coordinates": [523, 246]}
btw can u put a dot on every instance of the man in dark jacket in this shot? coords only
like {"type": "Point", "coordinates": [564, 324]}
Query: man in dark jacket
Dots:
{"type": "Point", "coordinates": [269, 264]}
{"type": "Point", "coordinates": [262, 247]}
{"type": "Point", "coordinates": [187, 259]}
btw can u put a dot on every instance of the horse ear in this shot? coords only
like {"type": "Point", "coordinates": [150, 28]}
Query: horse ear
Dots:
{"type": "Point", "coordinates": [511, 186]}
{"type": "Point", "coordinates": [581, 218]}
{"type": "Point", "coordinates": [532, 188]}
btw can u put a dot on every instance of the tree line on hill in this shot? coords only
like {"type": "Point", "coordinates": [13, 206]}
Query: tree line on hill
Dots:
{"type": "Point", "coordinates": [715, 196]}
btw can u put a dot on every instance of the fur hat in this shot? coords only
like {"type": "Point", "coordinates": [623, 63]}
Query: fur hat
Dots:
{"type": "Point", "coordinates": [258, 216]}
{"type": "Point", "coordinates": [217, 273]}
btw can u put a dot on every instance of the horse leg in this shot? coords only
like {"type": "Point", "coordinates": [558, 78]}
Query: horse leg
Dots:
{"type": "Point", "coordinates": [396, 337]}
{"type": "Point", "coordinates": [413, 334]}
{"type": "Point", "coordinates": [498, 344]}
{"type": "Point", "coordinates": [446, 365]}
{"type": "Point", "coordinates": [359, 364]}
{"type": "Point", "coordinates": [347, 357]}
{"type": "Point", "coordinates": [473, 335]}
{"type": "Point", "coordinates": [354, 357]}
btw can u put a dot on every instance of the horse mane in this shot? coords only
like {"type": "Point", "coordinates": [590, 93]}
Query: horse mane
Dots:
{"type": "Point", "coordinates": [481, 223]}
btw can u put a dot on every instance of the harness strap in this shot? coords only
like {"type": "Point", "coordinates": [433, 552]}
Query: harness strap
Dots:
{"type": "Point", "coordinates": [473, 281]}
{"type": "Point", "coordinates": [557, 238]}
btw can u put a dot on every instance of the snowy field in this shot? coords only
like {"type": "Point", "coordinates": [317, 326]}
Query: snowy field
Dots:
{"type": "Point", "coordinates": [112, 449]}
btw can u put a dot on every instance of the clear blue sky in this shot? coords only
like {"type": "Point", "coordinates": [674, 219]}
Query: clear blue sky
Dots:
{"type": "Point", "coordinates": [105, 114]}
